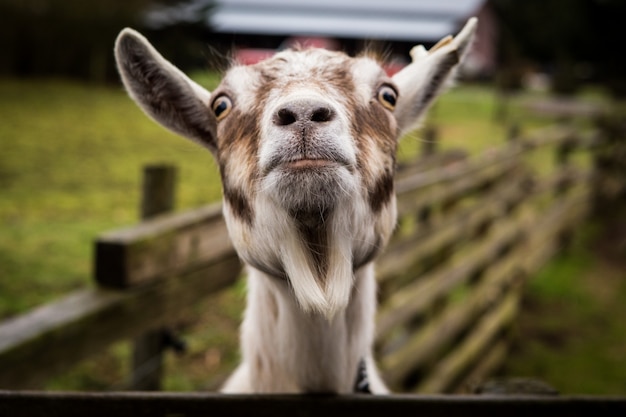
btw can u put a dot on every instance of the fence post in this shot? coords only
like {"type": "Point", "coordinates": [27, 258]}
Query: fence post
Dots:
{"type": "Point", "coordinates": [429, 145]}
{"type": "Point", "coordinates": [610, 170]}
{"type": "Point", "coordinates": [158, 189]}
{"type": "Point", "coordinates": [513, 133]}
{"type": "Point", "coordinates": [563, 154]}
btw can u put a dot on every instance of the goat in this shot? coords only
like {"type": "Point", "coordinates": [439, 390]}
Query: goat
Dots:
{"type": "Point", "coordinates": [306, 145]}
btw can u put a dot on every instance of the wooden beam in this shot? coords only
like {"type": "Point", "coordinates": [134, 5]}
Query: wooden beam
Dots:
{"type": "Point", "coordinates": [414, 299]}
{"type": "Point", "coordinates": [461, 358]}
{"type": "Point", "coordinates": [156, 248]}
{"type": "Point", "coordinates": [456, 227]}
{"type": "Point", "coordinates": [157, 197]}
{"type": "Point", "coordinates": [432, 187]}
{"type": "Point", "coordinates": [48, 404]}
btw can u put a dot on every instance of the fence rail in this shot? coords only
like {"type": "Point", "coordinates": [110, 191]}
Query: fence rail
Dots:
{"type": "Point", "coordinates": [470, 231]}
{"type": "Point", "coordinates": [38, 404]}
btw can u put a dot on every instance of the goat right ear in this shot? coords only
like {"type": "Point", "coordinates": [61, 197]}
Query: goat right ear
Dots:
{"type": "Point", "coordinates": [162, 91]}
{"type": "Point", "coordinates": [428, 74]}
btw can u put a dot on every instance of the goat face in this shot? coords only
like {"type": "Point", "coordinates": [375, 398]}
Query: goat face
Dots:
{"type": "Point", "coordinates": [306, 151]}
{"type": "Point", "coordinates": [300, 145]}
{"type": "Point", "coordinates": [306, 146]}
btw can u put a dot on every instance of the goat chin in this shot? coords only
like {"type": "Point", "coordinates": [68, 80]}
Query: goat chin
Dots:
{"type": "Point", "coordinates": [313, 253]}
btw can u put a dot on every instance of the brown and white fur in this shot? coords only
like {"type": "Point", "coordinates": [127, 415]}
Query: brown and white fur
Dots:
{"type": "Point", "coordinates": [306, 145]}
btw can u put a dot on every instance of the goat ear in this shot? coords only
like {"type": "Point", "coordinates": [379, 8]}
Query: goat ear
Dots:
{"type": "Point", "coordinates": [425, 78]}
{"type": "Point", "coordinates": [163, 91]}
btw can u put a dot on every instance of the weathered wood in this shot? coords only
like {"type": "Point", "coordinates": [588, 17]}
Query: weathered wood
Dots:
{"type": "Point", "coordinates": [414, 299]}
{"type": "Point", "coordinates": [171, 243]}
{"type": "Point", "coordinates": [158, 190]}
{"type": "Point", "coordinates": [494, 160]}
{"type": "Point", "coordinates": [437, 160]}
{"type": "Point", "coordinates": [157, 197]}
{"type": "Point", "coordinates": [428, 188]}
{"type": "Point", "coordinates": [453, 365]}
{"type": "Point", "coordinates": [427, 343]}
{"type": "Point", "coordinates": [564, 107]}
{"type": "Point", "coordinates": [548, 136]}
{"type": "Point", "coordinates": [404, 252]}
{"type": "Point", "coordinates": [430, 140]}
{"type": "Point", "coordinates": [37, 345]}
{"type": "Point", "coordinates": [484, 366]}
{"type": "Point", "coordinates": [50, 404]}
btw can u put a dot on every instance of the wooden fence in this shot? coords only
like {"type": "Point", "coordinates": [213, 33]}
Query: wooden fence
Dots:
{"type": "Point", "coordinates": [470, 231]}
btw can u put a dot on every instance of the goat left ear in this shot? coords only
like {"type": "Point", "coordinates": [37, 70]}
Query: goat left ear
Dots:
{"type": "Point", "coordinates": [163, 91]}
{"type": "Point", "coordinates": [425, 78]}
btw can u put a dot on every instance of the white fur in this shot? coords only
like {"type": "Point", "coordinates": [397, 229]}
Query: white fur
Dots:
{"type": "Point", "coordinates": [299, 351]}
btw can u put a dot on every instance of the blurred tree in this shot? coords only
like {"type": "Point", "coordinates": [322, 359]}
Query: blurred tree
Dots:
{"type": "Point", "coordinates": [65, 37]}
{"type": "Point", "coordinates": [576, 40]}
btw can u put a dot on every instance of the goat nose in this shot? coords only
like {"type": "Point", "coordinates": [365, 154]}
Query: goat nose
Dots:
{"type": "Point", "coordinates": [303, 111]}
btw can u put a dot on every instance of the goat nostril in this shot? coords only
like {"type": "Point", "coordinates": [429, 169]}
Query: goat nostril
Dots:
{"type": "Point", "coordinates": [303, 111]}
{"type": "Point", "coordinates": [285, 117]}
{"type": "Point", "coordinates": [322, 114]}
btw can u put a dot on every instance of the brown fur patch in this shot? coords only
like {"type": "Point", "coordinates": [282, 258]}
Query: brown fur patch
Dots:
{"type": "Point", "coordinates": [316, 241]}
{"type": "Point", "coordinates": [377, 141]}
{"type": "Point", "coordinates": [380, 194]}
{"type": "Point", "coordinates": [239, 204]}
{"type": "Point", "coordinates": [238, 130]}
{"type": "Point", "coordinates": [238, 144]}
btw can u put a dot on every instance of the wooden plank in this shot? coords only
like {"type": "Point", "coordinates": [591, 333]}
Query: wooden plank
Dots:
{"type": "Point", "coordinates": [52, 338]}
{"type": "Point", "coordinates": [488, 166]}
{"type": "Point", "coordinates": [49, 404]}
{"type": "Point", "coordinates": [414, 299]}
{"type": "Point", "coordinates": [158, 190]}
{"type": "Point", "coordinates": [564, 108]}
{"type": "Point", "coordinates": [405, 255]}
{"type": "Point", "coordinates": [157, 197]}
{"type": "Point", "coordinates": [460, 359]}
{"type": "Point", "coordinates": [496, 157]}
{"type": "Point", "coordinates": [156, 248]}
{"type": "Point", "coordinates": [426, 344]}
{"type": "Point", "coordinates": [484, 367]}
{"type": "Point", "coordinates": [442, 329]}
{"type": "Point", "coordinates": [458, 226]}
{"type": "Point", "coordinates": [548, 136]}
{"type": "Point", "coordinates": [453, 182]}
{"type": "Point", "coordinates": [430, 162]}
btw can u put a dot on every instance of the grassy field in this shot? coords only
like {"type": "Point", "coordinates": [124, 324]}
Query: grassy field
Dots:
{"type": "Point", "coordinates": [70, 164]}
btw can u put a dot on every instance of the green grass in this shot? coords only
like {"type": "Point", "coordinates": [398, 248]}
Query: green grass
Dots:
{"type": "Point", "coordinates": [70, 168]}
{"type": "Point", "coordinates": [464, 118]}
{"type": "Point", "coordinates": [571, 332]}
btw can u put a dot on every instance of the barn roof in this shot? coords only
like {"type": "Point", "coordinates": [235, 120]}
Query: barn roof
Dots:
{"type": "Point", "coordinates": [394, 20]}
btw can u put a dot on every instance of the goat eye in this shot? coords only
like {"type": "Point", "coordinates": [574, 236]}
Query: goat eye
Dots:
{"type": "Point", "coordinates": [387, 96]}
{"type": "Point", "coordinates": [221, 107]}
